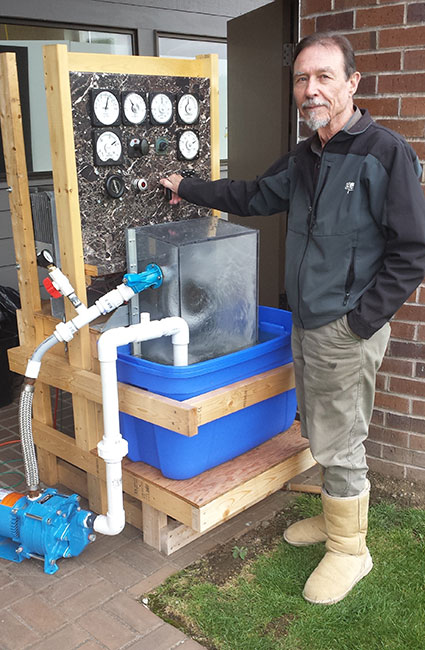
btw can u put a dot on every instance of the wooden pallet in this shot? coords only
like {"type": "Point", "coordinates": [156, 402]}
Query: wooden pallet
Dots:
{"type": "Point", "coordinates": [170, 513]}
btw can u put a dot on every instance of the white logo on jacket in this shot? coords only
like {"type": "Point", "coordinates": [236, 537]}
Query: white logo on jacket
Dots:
{"type": "Point", "coordinates": [349, 186]}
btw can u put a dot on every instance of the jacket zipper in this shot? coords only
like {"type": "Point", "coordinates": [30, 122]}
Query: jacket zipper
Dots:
{"type": "Point", "coordinates": [310, 224]}
{"type": "Point", "coordinates": [350, 277]}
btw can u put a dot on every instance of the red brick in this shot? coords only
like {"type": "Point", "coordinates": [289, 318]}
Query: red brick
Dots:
{"type": "Point", "coordinates": [415, 474]}
{"type": "Point", "coordinates": [385, 468]}
{"type": "Point", "coordinates": [414, 60]}
{"type": "Point", "coordinates": [416, 13]}
{"type": "Point", "coordinates": [407, 386]}
{"type": "Point", "coordinates": [410, 312]}
{"type": "Point", "coordinates": [377, 417]}
{"type": "Point", "coordinates": [400, 330]}
{"type": "Point", "coordinates": [407, 128]}
{"type": "Point", "coordinates": [389, 436]}
{"type": "Point", "coordinates": [405, 423]}
{"type": "Point", "coordinates": [362, 40]}
{"type": "Point", "coordinates": [420, 335]}
{"type": "Point", "coordinates": [316, 7]}
{"type": "Point", "coordinates": [401, 83]}
{"type": "Point", "coordinates": [308, 26]}
{"type": "Point", "coordinates": [421, 296]}
{"type": "Point", "coordinates": [420, 370]}
{"type": "Point", "coordinates": [352, 4]}
{"type": "Point", "coordinates": [418, 408]}
{"type": "Point", "coordinates": [391, 402]}
{"type": "Point", "coordinates": [380, 106]}
{"type": "Point", "coordinates": [401, 37]}
{"type": "Point", "coordinates": [413, 296]}
{"type": "Point", "coordinates": [367, 85]}
{"type": "Point", "coordinates": [417, 442]}
{"type": "Point", "coordinates": [393, 15]}
{"type": "Point", "coordinates": [398, 455]}
{"type": "Point", "coordinates": [379, 62]}
{"type": "Point", "coordinates": [396, 367]}
{"type": "Point", "coordinates": [335, 21]}
{"type": "Point", "coordinates": [381, 382]}
{"type": "Point", "coordinates": [405, 350]}
{"type": "Point", "coordinates": [373, 448]}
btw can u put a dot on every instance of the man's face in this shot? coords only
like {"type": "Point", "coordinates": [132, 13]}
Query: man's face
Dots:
{"type": "Point", "coordinates": [322, 92]}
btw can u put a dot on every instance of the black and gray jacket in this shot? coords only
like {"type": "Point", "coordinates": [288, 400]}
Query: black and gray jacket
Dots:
{"type": "Point", "coordinates": [356, 223]}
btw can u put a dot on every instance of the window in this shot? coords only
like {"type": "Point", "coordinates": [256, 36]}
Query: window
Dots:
{"type": "Point", "coordinates": [27, 42]}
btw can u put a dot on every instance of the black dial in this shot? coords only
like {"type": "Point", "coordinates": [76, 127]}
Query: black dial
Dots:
{"type": "Point", "coordinates": [114, 185]}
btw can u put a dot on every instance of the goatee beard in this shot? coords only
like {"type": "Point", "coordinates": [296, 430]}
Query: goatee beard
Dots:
{"type": "Point", "coordinates": [315, 123]}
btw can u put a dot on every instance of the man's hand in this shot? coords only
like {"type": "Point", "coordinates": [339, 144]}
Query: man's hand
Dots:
{"type": "Point", "coordinates": [172, 183]}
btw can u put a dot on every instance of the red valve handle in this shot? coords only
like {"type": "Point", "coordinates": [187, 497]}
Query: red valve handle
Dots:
{"type": "Point", "coordinates": [50, 288]}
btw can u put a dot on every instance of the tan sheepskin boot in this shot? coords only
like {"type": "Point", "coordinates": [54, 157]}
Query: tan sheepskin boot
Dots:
{"type": "Point", "coordinates": [307, 531]}
{"type": "Point", "coordinates": [347, 559]}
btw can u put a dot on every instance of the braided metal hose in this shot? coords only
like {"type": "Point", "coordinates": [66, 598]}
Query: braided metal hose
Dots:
{"type": "Point", "coordinates": [27, 441]}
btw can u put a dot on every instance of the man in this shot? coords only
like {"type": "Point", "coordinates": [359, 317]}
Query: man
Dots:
{"type": "Point", "coordinates": [355, 251]}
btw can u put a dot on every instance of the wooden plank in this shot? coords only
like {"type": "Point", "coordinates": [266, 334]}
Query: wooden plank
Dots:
{"type": "Point", "coordinates": [145, 65]}
{"type": "Point", "coordinates": [241, 394]}
{"type": "Point", "coordinates": [20, 206]}
{"type": "Point", "coordinates": [142, 404]}
{"type": "Point", "coordinates": [154, 522]}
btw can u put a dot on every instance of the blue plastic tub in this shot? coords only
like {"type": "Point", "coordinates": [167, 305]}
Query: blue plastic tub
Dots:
{"type": "Point", "coordinates": [180, 457]}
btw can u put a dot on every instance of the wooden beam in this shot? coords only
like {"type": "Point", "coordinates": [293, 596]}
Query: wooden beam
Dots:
{"type": "Point", "coordinates": [19, 198]}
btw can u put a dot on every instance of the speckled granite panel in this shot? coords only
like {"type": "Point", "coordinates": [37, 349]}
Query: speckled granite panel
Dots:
{"type": "Point", "coordinates": [103, 218]}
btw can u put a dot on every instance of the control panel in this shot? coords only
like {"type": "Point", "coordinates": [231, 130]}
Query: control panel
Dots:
{"type": "Point", "coordinates": [130, 131]}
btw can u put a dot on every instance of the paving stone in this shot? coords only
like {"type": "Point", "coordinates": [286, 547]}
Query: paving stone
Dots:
{"type": "Point", "coordinates": [71, 584]}
{"type": "Point", "coordinates": [12, 592]}
{"type": "Point", "coordinates": [91, 645]}
{"type": "Point", "coordinates": [14, 633]}
{"type": "Point", "coordinates": [112, 568]}
{"type": "Point", "coordinates": [92, 596]}
{"type": "Point", "coordinates": [151, 582]}
{"type": "Point", "coordinates": [107, 629]}
{"type": "Point", "coordinates": [138, 554]}
{"type": "Point", "coordinates": [163, 638]}
{"type": "Point", "coordinates": [133, 613]}
{"type": "Point", "coordinates": [39, 615]}
{"type": "Point", "coordinates": [190, 644]}
{"type": "Point", "coordinates": [68, 638]}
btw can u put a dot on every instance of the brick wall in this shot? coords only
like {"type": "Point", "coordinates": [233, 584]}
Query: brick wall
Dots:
{"type": "Point", "coordinates": [389, 40]}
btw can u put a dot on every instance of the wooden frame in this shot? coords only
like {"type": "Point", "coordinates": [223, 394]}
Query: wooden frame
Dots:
{"type": "Point", "coordinates": [171, 513]}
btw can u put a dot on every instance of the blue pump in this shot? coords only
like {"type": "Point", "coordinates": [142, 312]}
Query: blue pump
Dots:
{"type": "Point", "coordinates": [47, 528]}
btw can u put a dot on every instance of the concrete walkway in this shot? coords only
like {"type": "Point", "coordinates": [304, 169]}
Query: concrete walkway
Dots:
{"type": "Point", "coordinates": [92, 601]}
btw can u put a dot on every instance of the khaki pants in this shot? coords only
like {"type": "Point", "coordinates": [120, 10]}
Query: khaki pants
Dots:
{"type": "Point", "coordinates": [335, 373]}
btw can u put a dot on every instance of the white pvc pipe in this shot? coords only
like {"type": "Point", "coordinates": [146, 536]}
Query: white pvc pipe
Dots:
{"type": "Point", "coordinates": [112, 448]}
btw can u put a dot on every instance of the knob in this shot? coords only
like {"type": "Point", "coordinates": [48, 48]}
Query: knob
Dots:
{"type": "Point", "coordinates": [140, 184]}
{"type": "Point", "coordinates": [114, 185]}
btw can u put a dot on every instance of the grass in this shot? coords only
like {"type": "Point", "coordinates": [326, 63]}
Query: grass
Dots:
{"type": "Point", "coordinates": [262, 607]}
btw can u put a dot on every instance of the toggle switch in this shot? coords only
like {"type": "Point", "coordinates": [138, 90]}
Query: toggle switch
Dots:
{"type": "Point", "coordinates": [140, 184]}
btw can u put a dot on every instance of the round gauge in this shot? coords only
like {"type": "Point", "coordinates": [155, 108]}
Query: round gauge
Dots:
{"type": "Point", "coordinates": [134, 106]}
{"type": "Point", "coordinates": [161, 108]}
{"type": "Point", "coordinates": [188, 145]}
{"type": "Point", "coordinates": [108, 147]}
{"type": "Point", "coordinates": [188, 109]}
{"type": "Point", "coordinates": [106, 108]}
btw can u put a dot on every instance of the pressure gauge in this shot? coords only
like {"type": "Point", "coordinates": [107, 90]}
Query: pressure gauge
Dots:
{"type": "Point", "coordinates": [187, 145]}
{"type": "Point", "coordinates": [134, 108]}
{"type": "Point", "coordinates": [161, 109]}
{"type": "Point", "coordinates": [188, 109]}
{"type": "Point", "coordinates": [107, 147]}
{"type": "Point", "coordinates": [105, 108]}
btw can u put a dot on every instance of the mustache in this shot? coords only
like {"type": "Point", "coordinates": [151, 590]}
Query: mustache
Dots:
{"type": "Point", "coordinates": [310, 103]}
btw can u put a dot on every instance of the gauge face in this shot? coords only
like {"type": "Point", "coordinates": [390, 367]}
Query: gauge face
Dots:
{"type": "Point", "coordinates": [188, 109]}
{"type": "Point", "coordinates": [108, 148]}
{"type": "Point", "coordinates": [188, 145]}
{"type": "Point", "coordinates": [134, 107]}
{"type": "Point", "coordinates": [106, 108]}
{"type": "Point", "coordinates": [161, 109]}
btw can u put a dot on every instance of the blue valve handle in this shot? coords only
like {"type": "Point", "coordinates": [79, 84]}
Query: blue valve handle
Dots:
{"type": "Point", "coordinates": [151, 277]}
